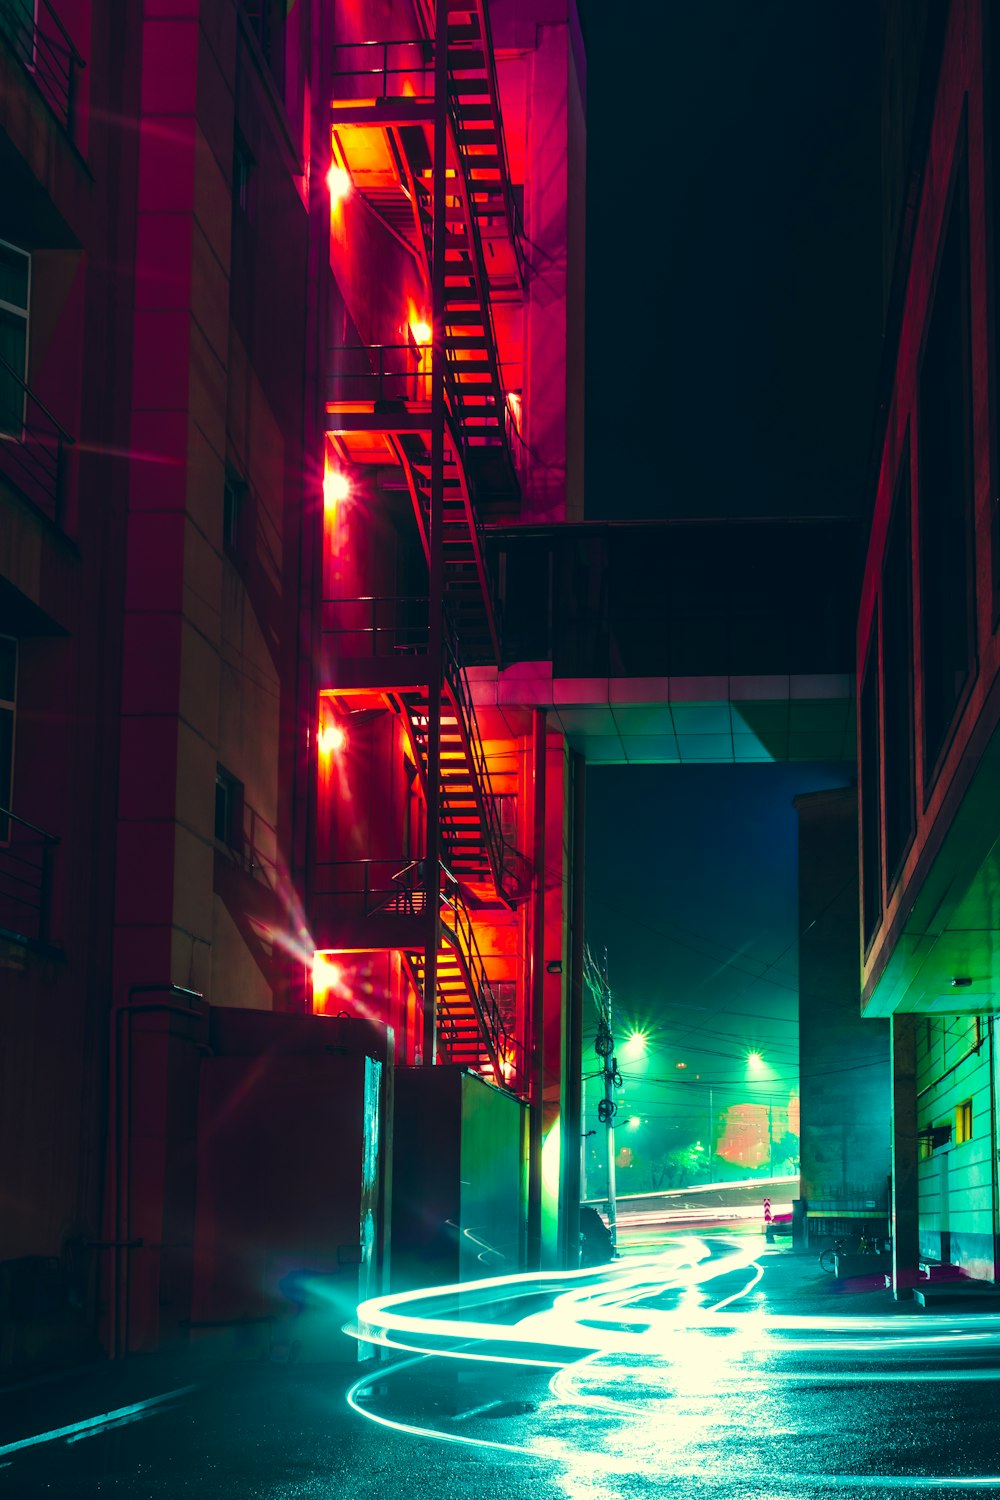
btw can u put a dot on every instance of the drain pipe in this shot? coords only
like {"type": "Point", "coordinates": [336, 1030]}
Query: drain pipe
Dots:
{"type": "Point", "coordinates": [121, 1241]}
{"type": "Point", "coordinates": [536, 1060]}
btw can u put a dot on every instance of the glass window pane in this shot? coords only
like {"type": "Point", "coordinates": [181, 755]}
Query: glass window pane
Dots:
{"type": "Point", "coordinates": [14, 263]}
{"type": "Point", "coordinates": [13, 347]}
{"type": "Point", "coordinates": [6, 756]}
{"type": "Point", "coordinates": [8, 668]}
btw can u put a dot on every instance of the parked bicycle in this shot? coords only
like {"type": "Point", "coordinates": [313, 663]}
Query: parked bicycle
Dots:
{"type": "Point", "coordinates": [849, 1244]}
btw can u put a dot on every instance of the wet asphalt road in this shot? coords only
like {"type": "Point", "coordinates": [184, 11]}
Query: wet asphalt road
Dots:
{"type": "Point", "coordinates": [732, 1407]}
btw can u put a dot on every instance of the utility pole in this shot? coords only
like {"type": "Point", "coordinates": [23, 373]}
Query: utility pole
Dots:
{"type": "Point", "coordinates": [711, 1137]}
{"type": "Point", "coordinates": [604, 1046]}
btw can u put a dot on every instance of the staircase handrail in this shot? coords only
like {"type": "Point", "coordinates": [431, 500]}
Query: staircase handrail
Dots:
{"type": "Point", "coordinates": [497, 846]}
{"type": "Point", "coordinates": [33, 447]}
{"type": "Point", "coordinates": [484, 1000]}
{"type": "Point", "coordinates": [27, 885]}
{"type": "Point", "coordinates": [514, 227]}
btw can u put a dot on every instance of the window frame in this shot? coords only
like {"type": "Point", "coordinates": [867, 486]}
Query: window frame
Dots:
{"type": "Point", "coordinates": [870, 789]}
{"type": "Point", "coordinates": [900, 523]}
{"type": "Point", "coordinates": [9, 705]}
{"type": "Point", "coordinates": [963, 1128]}
{"type": "Point", "coordinates": [12, 311]}
{"type": "Point", "coordinates": [957, 198]}
{"type": "Point", "coordinates": [233, 791]}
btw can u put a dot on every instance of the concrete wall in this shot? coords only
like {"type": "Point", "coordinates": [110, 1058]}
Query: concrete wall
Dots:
{"type": "Point", "coordinates": [956, 1179]}
{"type": "Point", "coordinates": [843, 1060]}
{"type": "Point", "coordinates": [71, 204]}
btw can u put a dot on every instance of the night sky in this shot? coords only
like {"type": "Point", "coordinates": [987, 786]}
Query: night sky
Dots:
{"type": "Point", "coordinates": [733, 324]}
{"type": "Point", "coordinates": [733, 256]}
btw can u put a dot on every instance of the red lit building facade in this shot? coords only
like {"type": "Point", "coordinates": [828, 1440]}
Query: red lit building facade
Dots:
{"type": "Point", "coordinates": [928, 656]}
{"type": "Point", "coordinates": [291, 314]}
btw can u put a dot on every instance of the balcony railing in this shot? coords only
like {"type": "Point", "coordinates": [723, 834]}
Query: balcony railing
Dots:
{"type": "Point", "coordinates": [489, 1014]}
{"type": "Point", "coordinates": [378, 373]}
{"type": "Point", "coordinates": [42, 45]}
{"type": "Point", "coordinates": [404, 70]}
{"type": "Point", "coordinates": [363, 71]}
{"type": "Point", "coordinates": [27, 855]}
{"type": "Point", "coordinates": [393, 625]}
{"type": "Point", "coordinates": [377, 625]}
{"type": "Point", "coordinates": [32, 444]}
{"type": "Point", "coordinates": [370, 887]}
{"type": "Point", "coordinates": [377, 887]}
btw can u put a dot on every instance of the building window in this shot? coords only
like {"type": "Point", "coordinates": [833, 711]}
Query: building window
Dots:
{"type": "Point", "coordinates": [243, 177]}
{"type": "Point", "coordinates": [963, 1121]}
{"type": "Point", "coordinates": [267, 22]}
{"type": "Point", "coordinates": [8, 699]}
{"type": "Point", "coordinates": [944, 475]}
{"type": "Point", "coordinates": [897, 681]}
{"type": "Point", "coordinates": [871, 801]}
{"type": "Point", "coordinates": [228, 809]}
{"type": "Point", "coordinates": [932, 1138]}
{"type": "Point", "coordinates": [15, 293]}
{"type": "Point", "coordinates": [234, 496]}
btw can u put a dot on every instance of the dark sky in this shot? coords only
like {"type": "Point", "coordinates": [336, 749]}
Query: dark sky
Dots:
{"type": "Point", "coordinates": [733, 256]}
{"type": "Point", "coordinates": [691, 887]}
{"type": "Point", "coordinates": [733, 324]}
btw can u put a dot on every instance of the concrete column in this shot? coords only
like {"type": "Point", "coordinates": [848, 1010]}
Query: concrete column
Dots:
{"type": "Point", "coordinates": [905, 1191]}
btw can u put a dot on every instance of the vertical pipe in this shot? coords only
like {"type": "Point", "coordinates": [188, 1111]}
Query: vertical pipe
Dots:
{"type": "Point", "coordinates": [536, 1062]}
{"type": "Point", "coordinates": [711, 1136]}
{"type": "Point", "coordinates": [571, 1132]}
{"type": "Point", "coordinates": [609, 1095]}
{"type": "Point", "coordinates": [435, 657]}
{"type": "Point", "coordinates": [995, 1217]}
{"type": "Point", "coordinates": [905, 1176]}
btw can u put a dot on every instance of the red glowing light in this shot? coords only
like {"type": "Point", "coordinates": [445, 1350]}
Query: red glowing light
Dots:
{"type": "Point", "coordinates": [422, 332]}
{"type": "Point", "coordinates": [336, 487]}
{"type": "Point", "coordinates": [326, 975]}
{"type": "Point", "coordinates": [331, 737]}
{"type": "Point", "coordinates": [339, 184]}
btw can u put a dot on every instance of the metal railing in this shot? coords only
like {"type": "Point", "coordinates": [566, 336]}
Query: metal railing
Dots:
{"type": "Point", "coordinates": [386, 625]}
{"type": "Point", "coordinates": [489, 1015]}
{"type": "Point", "coordinates": [370, 887]}
{"type": "Point", "coordinates": [402, 70]}
{"type": "Point", "coordinates": [27, 854]}
{"type": "Point", "coordinates": [32, 445]}
{"type": "Point", "coordinates": [505, 861]}
{"type": "Point", "coordinates": [378, 624]}
{"type": "Point", "coordinates": [376, 373]}
{"type": "Point", "coordinates": [260, 847]}
{"type": "Point", "coordinates": [400, 887]}
{"type": "Point", "coordinates": [42, 45]}
{"type": "Point", "coordinates": [383, 70]}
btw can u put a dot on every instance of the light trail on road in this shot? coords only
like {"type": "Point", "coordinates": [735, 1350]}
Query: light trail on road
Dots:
{"type": "Point", "coordinates": [672, 1379]}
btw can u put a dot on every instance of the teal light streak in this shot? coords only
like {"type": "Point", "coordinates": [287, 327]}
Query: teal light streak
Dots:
{"type": "Point", "coordinates": [91, 1425]}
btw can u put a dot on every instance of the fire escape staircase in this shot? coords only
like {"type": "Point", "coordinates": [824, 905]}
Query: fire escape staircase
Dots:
{"type": "Point", "coordinates": [471, 1029]}
{"type": "Point", "coordinates": [385, 91]}
{"type": "Point", "coordinates": [475, 849]}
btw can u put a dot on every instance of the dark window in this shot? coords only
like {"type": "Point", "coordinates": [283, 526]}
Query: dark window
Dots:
{"type": "Point", "coordinates": [897, 681]}
{"type": "Point", "coordinates": [243, 177]}
{"type": "Point", "coordinates": [871, 839]}
{"type": "Point", "coordinates": [15, 283]}
{"type": "Point", "coordinates": [267, 22]}
{"type": "Point", "coordinates": [233, 515]}
{"type": "Point", "coordinates": [944, 478]}
{"type": "Point", "coordinates": [228, 809]}
{"type": "Point", "coordinates": [8, 698]}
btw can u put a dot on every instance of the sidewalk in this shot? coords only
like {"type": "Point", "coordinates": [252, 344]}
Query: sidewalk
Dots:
{"type": "Point", "coordinates": [794, 1282]}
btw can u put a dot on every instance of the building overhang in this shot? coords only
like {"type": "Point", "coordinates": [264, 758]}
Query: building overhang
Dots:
{"type": "Point", "coordinates": [942, 954]}
{"type": "Point", "coordinates": [674, 720]}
